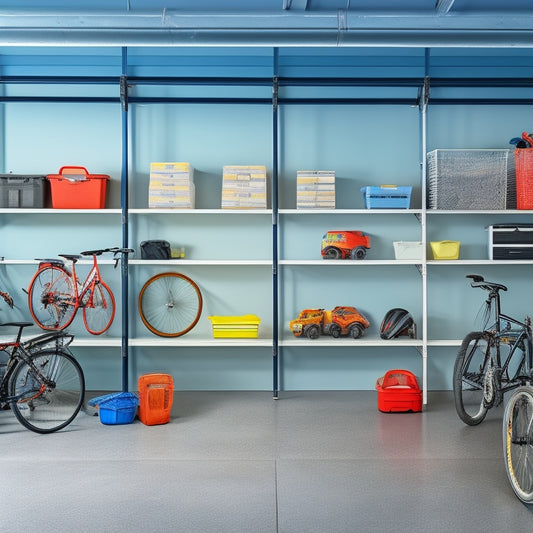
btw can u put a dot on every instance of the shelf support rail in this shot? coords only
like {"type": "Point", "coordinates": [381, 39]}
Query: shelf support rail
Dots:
{"type": "Point", "coordinates": [275, 287]}
{"type": "Point", "coordinates": [422, 105]}
{"type": "Point", "coordinates": [124, 205]}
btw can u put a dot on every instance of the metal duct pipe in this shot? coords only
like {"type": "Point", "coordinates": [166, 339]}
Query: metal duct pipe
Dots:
{"type": "Point", "coordinates": [262, 29]}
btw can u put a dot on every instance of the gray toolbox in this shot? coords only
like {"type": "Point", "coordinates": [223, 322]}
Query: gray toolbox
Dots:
{"type": "Point", "coordinates": [511, 241]}
{"type": "Point", "coordinates": [23, 190]}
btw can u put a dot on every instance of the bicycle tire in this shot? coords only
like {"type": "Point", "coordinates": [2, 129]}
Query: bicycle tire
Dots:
{"type": "Point", "coordinates": [99, 311]}
{"type": "Point", "coordinates": [518, 442]}
{"type": "Point", "coordinates": [51, 298]}
{"type": "Point", "coordinates": [170, 304]}
{"type": "Point", "coordinates": [47, 409]}
{"type": "Point", "coordinates": [469, 371]}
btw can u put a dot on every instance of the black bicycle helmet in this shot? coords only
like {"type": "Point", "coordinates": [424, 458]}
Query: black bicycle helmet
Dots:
{"type": "Point", "coordinates": [397, 322]}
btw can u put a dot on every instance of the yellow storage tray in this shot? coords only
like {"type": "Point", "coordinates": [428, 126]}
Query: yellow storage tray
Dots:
{"type": "Point", "coordinates": [445, 249]}
{"type": "Point", "coordinates": [235, 327]}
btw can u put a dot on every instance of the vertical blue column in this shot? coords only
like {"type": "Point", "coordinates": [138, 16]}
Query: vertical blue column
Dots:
{"type": "Point", "coordinates": [124, 205]}
{"type": "Point", "coordinates": [275, 291]}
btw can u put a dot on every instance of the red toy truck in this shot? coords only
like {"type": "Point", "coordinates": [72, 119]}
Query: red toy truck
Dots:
{"type": "Point", "coordinates": [345, 244]}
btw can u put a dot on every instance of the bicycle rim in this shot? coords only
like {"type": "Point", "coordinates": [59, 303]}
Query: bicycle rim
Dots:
{"type": "Point", "coordinates": [469, 372]}
{"type": "Point", "coordinates": [518, 442]}
{"type": "Point", "coordinates": [51, 298]}
{"type": "Point", "coordinates": [99, 312]}
{"type": "Point", "coordinates": [45, 409]}
{"type": "Point", "coordinates": [170, 304]}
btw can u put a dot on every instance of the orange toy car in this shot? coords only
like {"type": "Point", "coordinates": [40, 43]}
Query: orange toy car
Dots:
{"type": "Point", "coordinates": [345, 245]}
{"type": "Point", "coordinates": [342, 320]}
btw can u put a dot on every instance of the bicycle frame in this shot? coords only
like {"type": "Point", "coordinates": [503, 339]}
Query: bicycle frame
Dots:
{"type": "Point", "coordinates": [92, 278]}
{"type": "Point", "coordinates": [20, 352]}
{"type": "Point", "coordinates": [516, 339]}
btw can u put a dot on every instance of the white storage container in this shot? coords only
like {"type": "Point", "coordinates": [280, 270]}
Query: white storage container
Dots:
{"type": "Point", "coordinates": [409, 250]}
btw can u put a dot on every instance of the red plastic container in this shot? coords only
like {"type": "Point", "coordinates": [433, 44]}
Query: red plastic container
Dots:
{"type": "Point", "coordinates": [398, 392]}
{"type": "Point", "coordinates": [156, 392]}
{"type": "Point", "coordinates": [75, 188]}
{"type": "Point", "coordinates": [524, 178]}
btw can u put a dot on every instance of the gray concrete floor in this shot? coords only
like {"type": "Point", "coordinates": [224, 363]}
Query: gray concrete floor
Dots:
{"type": "Point", "coordinates": [322, 462]}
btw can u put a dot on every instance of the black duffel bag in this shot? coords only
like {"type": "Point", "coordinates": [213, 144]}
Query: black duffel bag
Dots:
{"type": "Point", "coordinates": [155, 250]}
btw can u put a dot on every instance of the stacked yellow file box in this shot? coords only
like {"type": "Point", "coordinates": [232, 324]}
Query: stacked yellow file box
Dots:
{"type": "Point", "coordinates": [244, 187]}
{"type": "Point", "coordinates": [315, 189]}
{"type": "Point", "coordinates": [171, 185]}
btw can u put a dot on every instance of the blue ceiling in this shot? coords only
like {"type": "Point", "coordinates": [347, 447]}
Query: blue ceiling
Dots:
{"type": "Point", "coordinates": [505, 7]}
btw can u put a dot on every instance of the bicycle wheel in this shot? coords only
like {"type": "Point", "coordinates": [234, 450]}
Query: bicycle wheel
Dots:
{"type": "Point", "coordinates": [471, 366]}
{"type": "Point", "coordinates": [48, 406]}
{"type": "Point", "coordinates": [99, 311]}
{"type": "Point", "coordinates": [518, 442]}
{"type": "Point", "coordinates": [170, 304]}
{"type": "Point", "coordinates": [51, 298]}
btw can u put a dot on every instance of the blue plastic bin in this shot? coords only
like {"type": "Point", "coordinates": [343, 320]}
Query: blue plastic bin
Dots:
{"type": "Point", "coordinates": [387, 197]}
{"type": "Point", "coordinates": [116, 408]}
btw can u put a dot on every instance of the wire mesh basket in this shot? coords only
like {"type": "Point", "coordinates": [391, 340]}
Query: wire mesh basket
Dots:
{"type": "Point", "coordinates": [471, 179]}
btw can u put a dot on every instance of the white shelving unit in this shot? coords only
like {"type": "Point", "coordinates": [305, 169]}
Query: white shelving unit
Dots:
{"type": "Point", "coordinates": [286, 259]}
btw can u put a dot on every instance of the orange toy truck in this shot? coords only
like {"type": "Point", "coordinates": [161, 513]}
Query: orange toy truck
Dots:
{"type": "Point", "coordinates": [345, 244]}
{"type": "Point", "coordinates": [311, 323]}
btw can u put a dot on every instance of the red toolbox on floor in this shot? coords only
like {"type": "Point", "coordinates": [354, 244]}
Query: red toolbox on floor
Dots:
{"type": "Point", "coordinates": [75, 188]}
{"type": "Point", "coordinates": [156, 392]}
{"type": "Point", "coordinates": [398, 392]}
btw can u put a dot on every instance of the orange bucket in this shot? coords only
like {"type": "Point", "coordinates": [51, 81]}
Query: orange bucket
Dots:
{"type": "Point", "coordinates": [156, 392]}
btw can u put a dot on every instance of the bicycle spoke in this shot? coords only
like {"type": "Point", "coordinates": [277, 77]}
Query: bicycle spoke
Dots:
{"type": "Point", "coordinates": [51, 298]}
{"type": "Point", "coordinates": [170, 304]}
{"type": "Point", "coordinates": [47, 394]}
{"type": "Point", "coordinates": [518, 442]}
{"type": "Point", "coordinates": [99, 309]}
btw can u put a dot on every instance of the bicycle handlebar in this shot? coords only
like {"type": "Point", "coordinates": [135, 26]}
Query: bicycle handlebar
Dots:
{"type": "Point", "coordinates": [479, 281]}
{"type": "Point", "coordinates": [114, 250]}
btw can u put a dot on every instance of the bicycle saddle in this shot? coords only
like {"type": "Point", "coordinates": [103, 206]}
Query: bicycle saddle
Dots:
{"type": "Point", "coordinates": [479, 281]}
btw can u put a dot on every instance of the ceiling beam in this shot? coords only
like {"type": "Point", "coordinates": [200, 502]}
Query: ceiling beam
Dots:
{"type": "Point", "coordinates": [283, 28]}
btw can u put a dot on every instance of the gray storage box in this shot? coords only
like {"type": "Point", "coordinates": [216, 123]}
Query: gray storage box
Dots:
{"type": "Point", "coordinates": [22, 190]}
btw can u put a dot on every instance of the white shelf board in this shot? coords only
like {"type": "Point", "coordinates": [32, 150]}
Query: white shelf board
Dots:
{"type": "Point", "coordinates": [445, 342]}
{"type": "Point", "coordinates": [330, 342]}
{"type": "Point", "coordinates": [50, 211]}
{"type": "Point", "coordinates": [96, 341]}
{"type": "Point", "coordinates": [175, 211]}
{"type": "Point", "coordinates": [348, 262]}
{"type": "Point", "coordinates": [207, 262]}
{"type": "Point", "coordinates": [196, 342]}
{"type": "Point", "coordinates": [479, 212]}
{"type": "Point", "coordinates": [37, 261]}
{"type": "Point", "coordinates": [349, 211]}
{"type": "Point", "coordinates": [479, 262]}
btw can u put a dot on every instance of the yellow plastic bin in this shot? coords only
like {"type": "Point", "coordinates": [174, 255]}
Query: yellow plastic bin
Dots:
{"type": "Point", "coordinates": [235, 327]}
{"type": "Point", "coordinates": [445, 249]}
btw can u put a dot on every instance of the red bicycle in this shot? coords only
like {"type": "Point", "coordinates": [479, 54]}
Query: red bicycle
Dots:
{"type": "Point", "coordinates": [55, 294]}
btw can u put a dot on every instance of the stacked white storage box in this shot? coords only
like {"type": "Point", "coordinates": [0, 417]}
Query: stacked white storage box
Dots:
{"type": "Point", "coordinates": [315, 189]}
{"type": "Point", "coordinates": [244, 187]}
{"type": "Point", "coordinates": [171, 185]}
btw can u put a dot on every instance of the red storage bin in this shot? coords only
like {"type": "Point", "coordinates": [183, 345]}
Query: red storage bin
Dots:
{"type": "Point", "coordinates": [75, 188]}
{"type": "Point", "coordinates": [524, 178]}
{"type": "Point", "coordinates": [156, 392]}
{"type": "Point", "coordinates": [398, 392]}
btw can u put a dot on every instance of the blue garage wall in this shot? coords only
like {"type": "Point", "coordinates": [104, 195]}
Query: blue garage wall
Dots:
{"type": "Point", "coordinates": [363, 144]}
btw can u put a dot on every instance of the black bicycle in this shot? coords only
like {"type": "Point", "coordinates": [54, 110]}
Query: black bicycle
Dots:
{"type": "Point", "coordinates": [493, 361]}
{"type": "Point", "coordinates": [41, 382]}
